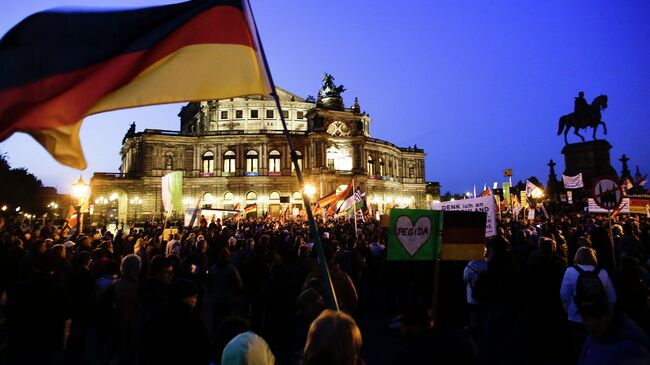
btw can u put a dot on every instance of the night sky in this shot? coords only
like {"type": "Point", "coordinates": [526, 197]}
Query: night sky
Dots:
{"type": "Point", "coordinates": [480, 85]}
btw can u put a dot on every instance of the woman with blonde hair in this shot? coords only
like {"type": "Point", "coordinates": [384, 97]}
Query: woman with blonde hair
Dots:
{"type": "Point", "coordinates": [333, 338]}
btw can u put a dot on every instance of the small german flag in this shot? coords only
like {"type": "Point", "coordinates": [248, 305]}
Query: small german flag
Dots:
{"type": "Point", "coordinates": [250, 209]}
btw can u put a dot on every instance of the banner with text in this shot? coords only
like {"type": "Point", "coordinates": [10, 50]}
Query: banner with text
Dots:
{"type": "Point", "coordinates": [414, 234]}
{"type": "Point", "coordinates": [572, 182]}
{"type": "Point", "coordinates": [480, 204]}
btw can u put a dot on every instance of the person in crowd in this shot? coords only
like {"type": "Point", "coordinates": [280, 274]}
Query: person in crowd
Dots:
{"type": "Point", "coordinates": [178, 328]}
{"type": "Point", "coordinates": [612, 337]}
{"type": "Point", "coordinates": [584, 260]}
{"type": "Point", "coordinates": [125, 293]}
{"type": "Point", "coordinates": [247, 349]}
{"type": "Point", "coordinates": [333, 338]}
{"type": "Point", "coordinates": [475, 278]}
{"type": "Point", "coordinates": [224, 287]}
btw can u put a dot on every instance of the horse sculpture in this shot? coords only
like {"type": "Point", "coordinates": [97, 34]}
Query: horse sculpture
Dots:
{"type": "Point", "coordinates": [589, 118]}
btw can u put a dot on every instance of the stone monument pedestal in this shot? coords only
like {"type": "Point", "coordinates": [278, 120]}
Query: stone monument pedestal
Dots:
{"type": "Point", "coordinates": [589, 158]}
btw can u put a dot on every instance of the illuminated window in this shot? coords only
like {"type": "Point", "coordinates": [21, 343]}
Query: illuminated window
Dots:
{"type": "Point", "coordinates": [274, 196]}
{"type": "Point", "coordinates": [274, 161]}
{"type": "Point", "coordinates": [381, 167]}
{"type": "Point", "coordinates": [208, 162]}
{"type": "Point", "coordinates": [299, 159]}
{"type": "Point", "coordinates": [251, 195]}
{"type": "Point", "coordinates": [229, 162]}
{"type": "Point", "coordinates": [251, 161]}
{"type": "Point", "coordinates": [371, 166]}
{"type": "Point", "coordinates": [411, 170]}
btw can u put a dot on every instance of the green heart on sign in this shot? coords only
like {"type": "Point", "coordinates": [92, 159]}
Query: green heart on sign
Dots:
{"type": "Point", "coordinates": [414, 234]}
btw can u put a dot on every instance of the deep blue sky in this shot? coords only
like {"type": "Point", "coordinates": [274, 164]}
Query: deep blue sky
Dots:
{"type": "Point", "coordinates": [479, 85]}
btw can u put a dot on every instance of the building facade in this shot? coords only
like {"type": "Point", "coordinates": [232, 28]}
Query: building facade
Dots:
{"type": "Point", "coordinates": [234, 152]}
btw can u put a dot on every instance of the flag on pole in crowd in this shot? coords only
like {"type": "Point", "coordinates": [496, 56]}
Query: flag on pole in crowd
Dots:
{"type": "Point", "coordinates": [344, 195]}
{"type": "Point", "coordinates": [486, 191]}
{"type": "Point", "coordinates": [60, 66]}
{"type": "Point", "coordinates": [326, 200]}
{"type": "Point", "coordinates": [506, 192]}
{"type": "Point", "coordinates": [236, 207]}
{"type": "Point", "coordinates": [71, 217]}
{"type": "Point", "coordinates": [250, 209]}
{"type": "Point", "coordinates": [356, 201]}
{"type": "Point", "coordinates": [572, 182]}
{"type": "Point", "coordinates": [236, 217]}
{"type": "Point", "coordinates": [530, 187]}
{"type": "Point", "coordinates": [172, 190]}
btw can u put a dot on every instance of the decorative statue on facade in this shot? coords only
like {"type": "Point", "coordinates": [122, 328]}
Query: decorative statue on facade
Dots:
{"type": "Point", "coordinates": [583, 116]}
{"type": "Point", "coordinates": [328, 89]}
{"type": "Point", "coordinates": [129, 133]}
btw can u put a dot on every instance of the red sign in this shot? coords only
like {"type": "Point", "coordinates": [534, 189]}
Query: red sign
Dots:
{"type": "Point", "coordinates": [607, 193]}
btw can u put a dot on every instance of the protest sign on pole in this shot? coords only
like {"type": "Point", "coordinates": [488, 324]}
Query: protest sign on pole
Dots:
{"type": "Point", "coordinates": [414, 234]}
{"type": "Point", "coordinates": [506, 192]}
{"type": "Point", "coordinates": [572, 182]}
{"type": "Point", "coordinates": [481, 204]}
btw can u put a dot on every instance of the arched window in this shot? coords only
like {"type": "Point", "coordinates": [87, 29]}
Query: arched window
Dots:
{"type": "Point", "coordinates": [274, 161]}
{"type": "Point", "coordinates": [381, 167]}
{"type": "Point", "coordinates": [299, 158]}
{"type": "Point", "coordinates": [229, 162]}
{"type": "Point", "coordinates": [228, 197]}
{"type": "Point", "coordinates": [251, 195]}
{"type": "Point", "coordinates": [251, 161]}
{"type": "Point", "coordinates": [208, 162]}
{"type": "Point", "coordinates": [371, 166]}
{"type": "Point", "coordinates": [274, 196]}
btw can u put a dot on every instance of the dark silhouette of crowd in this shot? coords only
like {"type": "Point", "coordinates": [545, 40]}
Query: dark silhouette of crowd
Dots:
{"type": "Point", "coordinates": [251, 292]}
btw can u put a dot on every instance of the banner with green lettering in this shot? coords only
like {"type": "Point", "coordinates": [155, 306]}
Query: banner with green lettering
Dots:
{"type": "Point", "coordinates": [414, 234]}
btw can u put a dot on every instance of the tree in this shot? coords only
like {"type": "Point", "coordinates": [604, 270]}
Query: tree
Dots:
{"type": "Point", "coordinates": [20, 188]}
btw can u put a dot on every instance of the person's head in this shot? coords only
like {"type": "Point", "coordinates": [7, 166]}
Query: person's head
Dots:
{"type": "Point", "coordinates": [546, 246]}
{"type": "Point", "coordinates": [58, 251]}
{"type": "Point", "coordinates": [247, 349]}
{"type": "Point", "coordinates": [161, 269]}
{"type": "Point", "coordinates": [585, 256]}
{"type": "Point", "coordinates": [130, 267]}
{"type": "Point", "coordinates": [232, 241]}
{"type": "Point", "coordinates": [581, 94]}
{"type": "Point", "coordinates": [184, 291]}
{"type": "Point", "coordinates": [333, 338]}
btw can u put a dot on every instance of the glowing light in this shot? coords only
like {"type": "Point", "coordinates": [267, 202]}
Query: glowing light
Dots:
{"type": "Point", "coordinates": [80, 189]}
{"type": "Point", "coordinates": [309, 190]}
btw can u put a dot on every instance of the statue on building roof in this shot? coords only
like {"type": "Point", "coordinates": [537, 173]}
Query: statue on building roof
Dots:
{"type": "Point", "coordinates": [129, 133]}
{"type": "Point", "coordinates": [329, 89]}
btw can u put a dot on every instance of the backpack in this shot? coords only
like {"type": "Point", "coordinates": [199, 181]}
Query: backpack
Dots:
{"type": "Point", "coordinates": [479, 289]}
{"type": "Point", "coordinates": [589, 288]}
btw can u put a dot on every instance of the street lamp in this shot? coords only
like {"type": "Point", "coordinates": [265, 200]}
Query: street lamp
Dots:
{"type": "Point", "coordinates": [4, 208]}
{"type": "Point", "coordinates": [81, 191]}
{"type": "Point", "coordinates": [135, 201]}
{"type": "Point", "coordinates": [309, 190]}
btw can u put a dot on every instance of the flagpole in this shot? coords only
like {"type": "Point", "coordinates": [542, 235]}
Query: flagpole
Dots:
{"type": "Point", "coordinates": [330, 294]}
{"type": "Point", "coordinates": [356, 230]}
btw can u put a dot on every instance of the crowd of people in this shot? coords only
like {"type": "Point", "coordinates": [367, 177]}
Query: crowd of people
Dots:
{"type": "Point", "coordinates": [252, 292]}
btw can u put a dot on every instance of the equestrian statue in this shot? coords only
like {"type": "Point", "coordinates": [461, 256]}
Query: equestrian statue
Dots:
{"type": "Point", "coordinates": [583, 116]}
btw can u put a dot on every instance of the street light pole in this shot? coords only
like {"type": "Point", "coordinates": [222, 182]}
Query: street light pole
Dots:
{"type": "Point", "coordinates": [81, 191]}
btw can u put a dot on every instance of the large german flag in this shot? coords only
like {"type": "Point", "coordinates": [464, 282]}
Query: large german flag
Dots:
{"type": "Point", "coordinates": [57, 67]}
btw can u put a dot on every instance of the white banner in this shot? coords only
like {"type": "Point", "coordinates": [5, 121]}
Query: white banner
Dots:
{"type": "Point", "coordinates": [480, 204]}
{"type": "Point", "coordinates": [572, 182]}
{"type": "Point", "coordinates": [594, 208]}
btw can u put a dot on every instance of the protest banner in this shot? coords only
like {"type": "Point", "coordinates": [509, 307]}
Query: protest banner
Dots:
{"type": "Point", "coordinates": [483, 204]}
{"type": "Point", "coordinates": [414, 234]}
{"type": "Point", "coordinates": [572, 182]}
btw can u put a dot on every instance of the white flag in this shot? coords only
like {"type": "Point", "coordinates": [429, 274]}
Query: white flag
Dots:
{"type": "Point", "coordinates": [572, 182]}
{"type": "Point", "coordinates": [530, 187]}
